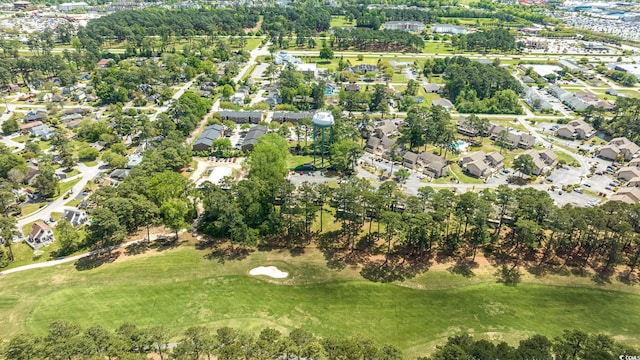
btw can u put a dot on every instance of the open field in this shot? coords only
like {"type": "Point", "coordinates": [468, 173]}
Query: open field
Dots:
{"type": "Point", "coordinates": [182, 286]}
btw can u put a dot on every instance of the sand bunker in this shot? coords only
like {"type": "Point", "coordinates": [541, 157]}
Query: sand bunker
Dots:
{"type": "Point", "coordinates": [270, 271]}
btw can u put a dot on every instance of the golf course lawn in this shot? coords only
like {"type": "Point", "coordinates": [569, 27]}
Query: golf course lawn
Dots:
{"type": "Point", "coordinates": [182, 287]}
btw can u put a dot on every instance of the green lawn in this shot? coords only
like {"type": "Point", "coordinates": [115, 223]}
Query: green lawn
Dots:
{"type": "Point", "coordinates": [90, 163]}
{"type": "Point", "coordinates": [340, 21]}
{"type": "Point", "coordinates": [64, 186]}
{"type": "Point", "coordinates": [181, 288]}
{"type": "Point", "coordinates": [30, 208]}
{"type": "Point", "coordinates": [21, 138]}
{"type": "Point", "coordinates": [437, 48]}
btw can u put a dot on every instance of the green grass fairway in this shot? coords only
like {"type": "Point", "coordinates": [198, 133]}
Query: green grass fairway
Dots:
{"type": "Point", "coordinates": [182, 287]}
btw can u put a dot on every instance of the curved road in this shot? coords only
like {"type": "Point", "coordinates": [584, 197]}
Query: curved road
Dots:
{"type": "Point", "coordinates": [86, 174]}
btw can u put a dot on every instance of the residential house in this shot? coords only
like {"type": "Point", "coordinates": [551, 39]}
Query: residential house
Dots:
{"type": "Point", "coordinates": [352, 87]}
{"type": "Point", "coordinates": [30, 175]}
{"type": "Point", "coordinates": [628, 172]}
{"type": "Point", "coordinates": [575, 103]}
{"type": "Point", "coordinates": [513, 140]}
{"type": "Point", "coordinates": [134, 160]}
{"type": "Point", "coordinates": [432, 88]}
{"type": "Point", "coordinates": [526, 141]}
{"type": "Point", "coordinates": [413, 26]}
{"type": "Point", "coordinates": [363, 68]}
{"type": "Point", "coordinates": [36, 115]}
{"type": "Point", "coordinates": [479, 164]}
{"type": "Point", "coordinates": [73, 124]}
{"type": "Point", "coordinates": [576, 129]}
{"type": "Point", "coordinates": [57, 98]}
{"type": "Point", "coordinates": [633, 182]}
{"type": "Point", "coordinates": [75, 217]}
{"type": "Point", "coordinates": [558, 92]}
{"type": "Point", "coordinates": [40, 235]}
{"type": "Point", "coordinates": [79, 96]}
{"type": "Point", "coordinates": [634, 162]}
{"type": "Point", "coordinates": [445, 103]}
{"type": "Point", "coordinates": [208, 136]}
{"type": "Point", "coordinates": [620, 146]}
{"type": "Point", "coordinates": [536, 101]}
{"type": "Point", "coordinates": [378, 146]}
{"type": "Point", "coordinates": [119, 174]}
{"type": "Point", "coordinates": [544, 161]}
{"type": "Point", "coordinates": [27, 97]}
{"type": "Point", "coordinates": [44, 131]}
{"type": "Point", "coordinates": [240, 117]}
{"type": "Point", "coordinates": [238, 99]}
{"type": "Point", "coordinates": [386, 128]}
{"type": "Point", "coordinates": [252, 137]}
{"type": "Point", "coordinates": [432, 165]}
{"type": "Point", "coordinates": [629, 195]}
{"type": "Point", "coordinates": [70, 117]}
{"type": "Point", "coordinates": [103, 63]}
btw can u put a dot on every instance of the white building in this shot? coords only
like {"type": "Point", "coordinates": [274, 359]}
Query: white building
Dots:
{"type": "Point", "coordinates": [449, 29]}
{"type": "Point", "coordinates": [72, 6]}
{"type": "Point", "coordinates": [414, 26]}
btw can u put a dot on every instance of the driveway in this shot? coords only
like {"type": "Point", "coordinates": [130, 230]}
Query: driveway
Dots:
{"type": "Point", "coordinates": [86, 174]}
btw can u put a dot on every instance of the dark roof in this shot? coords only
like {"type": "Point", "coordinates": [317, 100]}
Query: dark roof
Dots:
{"type": "Point", "coordinates": [209, 134]}
{"type": "Point", "coordinates": [240, 113]}
{"type": "Point", "coordinates": [285, 115]}
{"type": "Point", "coordinates": [253, 134]}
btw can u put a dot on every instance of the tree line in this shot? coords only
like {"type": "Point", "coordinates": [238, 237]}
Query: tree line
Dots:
{"type": "Point", "coordinates": [622, 122]}
{"type": "Point", "coordinates": [374, 18]}
{"type": "Point", "coordinates": [376, 40]}
{"type": "Point", "coordinates": [67, 340]}
{"type": "Point", "coordinates": [477, 88]}
{"type": "Point", "coordinates": [491, 39]}
{"type": "Point", "coordinates": [137, 24]}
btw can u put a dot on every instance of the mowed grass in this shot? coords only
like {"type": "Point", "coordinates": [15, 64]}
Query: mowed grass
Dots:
{"type": "Point", "coordinates": [182, 287]}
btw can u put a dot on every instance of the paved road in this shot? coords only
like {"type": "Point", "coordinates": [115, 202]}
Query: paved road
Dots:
{"type": "Point", "coordinates": [86, 174]}
{"type": "Point", "coordinates": [68, 259]}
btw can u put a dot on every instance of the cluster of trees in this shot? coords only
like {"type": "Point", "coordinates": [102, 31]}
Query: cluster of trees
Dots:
{"type": "Point", "coordinates": [125, 80]}
{"type": "Point", "coordinates": [246, 211]}
{"type": "Point", "coordinates": [296, 91]}
{"type": "Point", "coordinates": [68, 340]}
{"type": "Point", "coordinates": [622, 77]}
{"type": "Point", "coordinates": [492, 39]}
{"type": "Point", "coordinates": [378, 100]}
{"type": "Point", "coordinates": [188, 111]}
{"type": "Point", "coordinates": [602, 237]}
{"type": "Point", "coordinates": [428, 125]}
{"type": "Point", "coordinates": [303, 20]}
{"type": "Point", "coordinates": [376, 40]}
{"type": "Point", "coordinates": [477, 88]}
{"type": "Point", "coordinates": [572, 344]}
{"type": "Point", "coordinates": [37, 70]}
{"type": "Point", "coordinates": [135, 25]}
{"type": "Point", "coordinates": [622, 123]}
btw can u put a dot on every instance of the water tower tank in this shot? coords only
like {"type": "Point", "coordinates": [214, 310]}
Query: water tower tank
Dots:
{"type": "Point", "coordinates": [323, 119]}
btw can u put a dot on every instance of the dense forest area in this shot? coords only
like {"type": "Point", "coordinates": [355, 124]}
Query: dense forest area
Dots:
{"type": "Point", "coordinates": [305, 20]}
{"type": "Point", "coordinates": [492, 39]}
{"type": "Point", "coordinates": [66, 340]}
{"type": "Point", "coordinates": [374, 40]}
{"type": "Point", "coordinates": [123, 25]}
{"type": "Point", "coordinates": [477, 88]}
